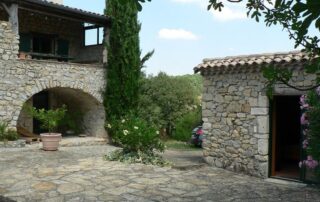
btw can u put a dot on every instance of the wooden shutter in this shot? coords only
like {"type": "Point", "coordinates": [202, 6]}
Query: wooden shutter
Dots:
{"type": "Point", "coordinates": [63, 47]}
{"type": "Point", "coordinates": [25, 43]}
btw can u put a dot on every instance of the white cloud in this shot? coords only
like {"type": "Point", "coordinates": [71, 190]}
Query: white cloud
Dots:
{"type": "Point", "coordinates": [230, 11]}
{"type": "Point", "coordinates": [202, 3]}
{"type": "Point", "coordinates": [176, 34]}
{"type": "Point", "coordinates": [228, 14]}
{"type": "Point", "coordinates": [187, 1]}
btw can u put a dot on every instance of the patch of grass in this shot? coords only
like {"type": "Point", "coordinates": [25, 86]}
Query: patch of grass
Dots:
{"type": "Point", "coordinates": [178, 145]}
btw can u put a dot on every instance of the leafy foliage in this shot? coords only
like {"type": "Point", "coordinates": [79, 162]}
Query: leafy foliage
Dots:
{"type": "Point", "coordinates": [7, 134]}
{"type": "Point", "coordinates": [186, 124]}
{"type": "Point", "coordinates": [164, 99]}
{"type": "Point", "coordinates": [296, 17]}
{"type": "Point", "coordinates": [123, 70]}
{"type": "Point", "coordinates": [137, 2]}
{"type": "Point", "coordinates": [134, 134]}
{"type": "Point", "coordinates": [72, 121]}
{"type": "Point", "coordinates": [179, 145]}
{"type": "Point", "coordinates": [312, 131]}
{"type": "Point", "coordinates": [49, 119]}
{"type": "Point", "coordinates": [134, 157]}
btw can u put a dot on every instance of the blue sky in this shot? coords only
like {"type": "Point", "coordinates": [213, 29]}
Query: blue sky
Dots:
{"type": "Point", "coordinates": [183, 33]}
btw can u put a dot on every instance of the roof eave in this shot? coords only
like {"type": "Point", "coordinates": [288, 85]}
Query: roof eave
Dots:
{"type": "Point", "coordinates": [63, 11]}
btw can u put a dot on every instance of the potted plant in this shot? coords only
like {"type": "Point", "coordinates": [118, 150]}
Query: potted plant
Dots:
{"type": "Point", "coordinates": [49, 120]}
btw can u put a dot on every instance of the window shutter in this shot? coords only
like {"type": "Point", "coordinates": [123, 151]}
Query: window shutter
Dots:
{"type": "Point", "coordinates": [63, 47]}
{"type": "Point", "coordinates": [25, 43]}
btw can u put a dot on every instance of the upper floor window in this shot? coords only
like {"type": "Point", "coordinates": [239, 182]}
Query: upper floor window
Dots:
{"type": "Point", "coordinates": [93, 35]}
{"type": "Point", "coordinates": [44, 46]}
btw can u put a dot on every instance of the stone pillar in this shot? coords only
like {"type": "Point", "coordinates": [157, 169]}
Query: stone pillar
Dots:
{"type": "Point", "coordinates": [12, 11]}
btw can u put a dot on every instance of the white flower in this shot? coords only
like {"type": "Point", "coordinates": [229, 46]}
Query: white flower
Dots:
{"type": "Point", "coordinates": [109, 126]}
{"type": "Point", "coordinates": [123, 120]}
{"type": "Point", "coordinates": [157, 132]}
{"type": "Point", "coordinates": [136, 127]}
{"type": "Point", "coordinates": [125, 132]}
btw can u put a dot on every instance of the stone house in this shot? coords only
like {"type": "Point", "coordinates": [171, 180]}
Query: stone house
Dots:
{"type": "Point", "coordinates": [50, 55]}
{"type": "Point", "coordinates": [247, 132]}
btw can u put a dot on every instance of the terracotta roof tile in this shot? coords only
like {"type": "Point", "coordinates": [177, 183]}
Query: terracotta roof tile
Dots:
{"type": "Point", "coordinates": [251, 60]}
{"type": "Point", "coordinates": [72, 8]}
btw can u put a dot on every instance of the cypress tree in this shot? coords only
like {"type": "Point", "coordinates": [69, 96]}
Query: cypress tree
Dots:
{"type": "Point", "coordinates": [124, 65]}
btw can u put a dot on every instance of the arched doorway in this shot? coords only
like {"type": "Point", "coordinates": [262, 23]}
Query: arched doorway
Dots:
{"type": "Point", "coordinates": [85, 113]}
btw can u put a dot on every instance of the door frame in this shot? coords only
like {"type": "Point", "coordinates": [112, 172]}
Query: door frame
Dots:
{"type": "Point", "coordinates": [36, 124]}
{"type": "Point", "coordinates": [272, 143]}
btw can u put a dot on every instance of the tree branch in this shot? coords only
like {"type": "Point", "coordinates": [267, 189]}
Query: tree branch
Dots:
{"type": "Point", "coordinates": [297, 88]}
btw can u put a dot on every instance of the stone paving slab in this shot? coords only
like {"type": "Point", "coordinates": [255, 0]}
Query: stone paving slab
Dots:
{"type": "Point", "coordinates": [184, 160]}
{"type": "Point", "coordinates": [81, 174]}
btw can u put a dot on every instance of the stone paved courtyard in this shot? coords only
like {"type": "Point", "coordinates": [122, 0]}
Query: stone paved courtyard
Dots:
{"type": "Point", "coordinates": [81, 174]}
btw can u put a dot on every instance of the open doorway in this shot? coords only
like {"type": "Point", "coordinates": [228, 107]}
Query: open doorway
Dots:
{"type": "Point", "coordinates": [286, 137]}
{"type": "Point", "coordinates": [40, 101]}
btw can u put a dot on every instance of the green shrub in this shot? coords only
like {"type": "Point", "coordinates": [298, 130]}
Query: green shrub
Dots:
{"type": "Point", "coordinates": [49, 119]}
{"type": "Point", "coordinates": [137, 157]}
{"type": "Point", "coordinates": [134, 134]}
{"type": "Point", "coordinates": [140, 141]}
{"type": "Point", "coordinates": [12, 135]}
{"type": "Point", "coordinates": [72, 121]}
{"type": "Point", "coordinates": [186, 124]}
{"type": "Point", "coordinates": [7, 134]}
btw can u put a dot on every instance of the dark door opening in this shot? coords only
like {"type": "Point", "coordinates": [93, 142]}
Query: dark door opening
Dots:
{"type": "Point", "coordinates": [40, 101]}
{"type": "Point", "coordinates": [286, 137]}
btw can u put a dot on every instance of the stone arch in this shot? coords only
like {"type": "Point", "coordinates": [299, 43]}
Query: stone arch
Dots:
{"type": "Point", "coordinates": [90, 100]}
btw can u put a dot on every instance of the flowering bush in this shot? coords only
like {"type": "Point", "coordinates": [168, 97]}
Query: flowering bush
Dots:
{"type": "Point", "coordinates": [138, 139]}
{"type": "Point", "coordinates": [310, 121]}
{"type": "Point", "coordinates": [135, 135]}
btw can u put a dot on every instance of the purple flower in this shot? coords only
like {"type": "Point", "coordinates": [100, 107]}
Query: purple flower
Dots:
{"type": "Point", "coordinates": [318, 91]}
{"type": "Point", "coordinates": [311, 163]}
{"type": "Point", "coordinates": [303, 99]}
{"type": "Point", "coordinates": [303, 102]}
{"type": "Point", "coordinates": [305, 143]}
{"type": "Point", "coordinates": [305, 132]}
{"type": "Point", "coordinates": [304, 119]}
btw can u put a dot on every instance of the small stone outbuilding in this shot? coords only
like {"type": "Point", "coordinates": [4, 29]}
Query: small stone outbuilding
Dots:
{"type": "Point", "coordinates": [245, 130]}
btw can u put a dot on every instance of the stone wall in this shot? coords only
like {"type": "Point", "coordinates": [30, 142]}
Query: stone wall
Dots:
{"type": "Point", "coordinates": [9, 43]}
{"type": "Point", "coordinates": [236, 119]}
{"type": "Point", "coordinates": [21, 79]}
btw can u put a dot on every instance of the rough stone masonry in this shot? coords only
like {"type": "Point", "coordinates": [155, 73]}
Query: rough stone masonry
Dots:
{"type": "Point", "coordinates": [21, 79]}
{"type": "Point", "coordinates": [235, 108]}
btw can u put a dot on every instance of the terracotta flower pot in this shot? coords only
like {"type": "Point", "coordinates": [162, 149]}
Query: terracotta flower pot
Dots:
{"type": "Point", "coordinates": [50, 141]}
{"type": "Point", "coordinates": [22, 56]}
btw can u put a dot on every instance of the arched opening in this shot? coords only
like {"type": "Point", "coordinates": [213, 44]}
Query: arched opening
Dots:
{"type": "Point", "coordinates": [85, 114]}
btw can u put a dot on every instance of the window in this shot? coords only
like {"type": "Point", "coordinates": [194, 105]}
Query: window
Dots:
{"type": "Point", "coordinates": [93, 35]}
{"type": "Point", "coordinates": [43, 44]}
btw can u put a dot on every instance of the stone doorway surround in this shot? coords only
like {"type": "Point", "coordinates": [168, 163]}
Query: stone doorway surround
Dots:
{"type": "Point", "coordinates": [235, 108]}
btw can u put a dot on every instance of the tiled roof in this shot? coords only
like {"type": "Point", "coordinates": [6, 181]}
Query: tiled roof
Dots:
{"type": "Point", "coordinates": [71, 8]}
{"type": "Point", "coordinates": [55, 9]}
{"type": "Point", "coordinates": [232, 62]}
